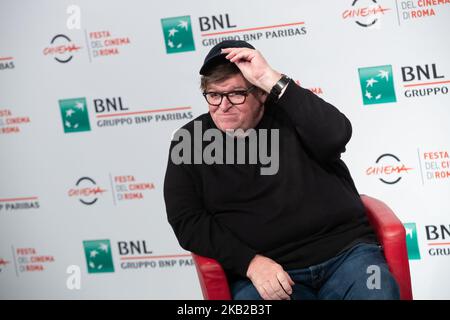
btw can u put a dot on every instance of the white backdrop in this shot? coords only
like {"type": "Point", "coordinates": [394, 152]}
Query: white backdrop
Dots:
{"type": "Point", "coordinates": [87, 111]}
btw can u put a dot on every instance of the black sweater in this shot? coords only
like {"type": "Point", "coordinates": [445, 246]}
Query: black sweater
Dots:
{"type": "Point", "coordinates": [305, 214]}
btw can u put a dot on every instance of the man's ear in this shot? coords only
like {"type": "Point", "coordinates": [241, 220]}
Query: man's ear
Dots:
{"type": "Point", "coordinates": [262, 95]}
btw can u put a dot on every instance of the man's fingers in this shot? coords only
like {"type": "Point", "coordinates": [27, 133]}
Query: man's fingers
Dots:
{"type": "Point", "coordinates": [263, 293]}
{"type": "Point", "coordinates": [291, 282]}
{"type": "Point", "coordinates": [234, 50]}
{"type": "Point", "coordinates": [243, 55]}
{"type": "Point", "coordinates": [270, 291]}
{"type": "Point", "coordinates": [231, 52]}
{"type": "Point", "coordinates": [235, 54]}
{"type": "Point", "coordinates": [278, 289]}
{"type": "Point", "coordinates": [284, 281]}
{"type": "Point", "coordinates": [227, 50]}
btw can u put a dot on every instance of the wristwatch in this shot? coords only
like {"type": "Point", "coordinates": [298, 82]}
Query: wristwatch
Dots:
{"type": "Point", "coordinates": [278, 87]}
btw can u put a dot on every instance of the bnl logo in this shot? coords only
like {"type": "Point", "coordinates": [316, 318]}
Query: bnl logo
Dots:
{"type": "Point", "coordinates": [411, 241]}
{"type": "Point", "coordinates": [98, 256]}
{"type": "Point", "coordinates": [74, 115]}
{"type": "Point", "coordinates": [178, 34]}
{"type": "Point", "coordinates": [377, 84]}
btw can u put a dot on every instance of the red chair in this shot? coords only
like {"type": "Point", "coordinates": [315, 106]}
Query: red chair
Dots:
{"type": "Point", "coordinates": [390, 232]}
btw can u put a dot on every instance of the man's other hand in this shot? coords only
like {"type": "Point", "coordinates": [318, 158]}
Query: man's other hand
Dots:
{"type": "Point", "coordinates": [270, 279]}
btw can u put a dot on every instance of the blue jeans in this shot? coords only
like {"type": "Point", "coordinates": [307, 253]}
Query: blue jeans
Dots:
{"type": "Point", "coordinates": [359, 273]}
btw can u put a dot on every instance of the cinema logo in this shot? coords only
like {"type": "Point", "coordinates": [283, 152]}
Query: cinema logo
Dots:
{"type": "Point", "coordinates": [99, 44]}
{"type": "Point", "coordinates": [7, 63]}
{"type": "Point", "coordinates": [104, 43]}
{"type": "Point", "coordinates": [416, 10]}
{"type": "Point", "coordinates": [125, 188]}
{"type": "Point", "coordinates": [435, 165]}
{"type": "Point", "coordinates": [423, 81]}
{"type": "Point", "coordinates": [132, 255]}
{"type": "Point", "coordinates": [86, 191]}
{"type": "Point", "coordinates": [61, 48]}
{"type": "Point", "coordinates": [388, 169]}
{"type": "Point", "coordinates": [19, 204]}
{"type": "Point", "coordinates": [29, 259]}
{"type": "Point", "coordinates": [213, 29]}
{"type": "Point", "coordinates": [365, 13]}
{"type": "Point", "coordinates": [10, 123]}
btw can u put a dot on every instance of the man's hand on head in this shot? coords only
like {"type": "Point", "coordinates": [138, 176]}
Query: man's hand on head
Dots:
{"type": "Point", "coordinates": [253, 66]}
{"type": "Point", "coordinates": [269, 278]}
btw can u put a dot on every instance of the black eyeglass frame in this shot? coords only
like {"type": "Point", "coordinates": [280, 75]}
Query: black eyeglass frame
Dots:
{"type": "Point", "coordinates": [222, 94]}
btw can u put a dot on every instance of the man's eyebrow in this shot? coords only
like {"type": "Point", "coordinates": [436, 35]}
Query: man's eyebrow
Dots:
{"type": "Point", "coordinates": [239, 88]}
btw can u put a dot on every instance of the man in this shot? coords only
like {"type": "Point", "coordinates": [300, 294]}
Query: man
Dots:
{"type": "Point", "coordinates": [297, 232]}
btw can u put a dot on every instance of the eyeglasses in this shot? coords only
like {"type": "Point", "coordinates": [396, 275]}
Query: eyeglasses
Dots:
{"type": "Point", "coordinates": [234, 97]}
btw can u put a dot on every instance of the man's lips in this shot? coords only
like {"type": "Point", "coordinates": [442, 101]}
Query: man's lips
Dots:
{"type": "Point", "coordinates": [227, 114]}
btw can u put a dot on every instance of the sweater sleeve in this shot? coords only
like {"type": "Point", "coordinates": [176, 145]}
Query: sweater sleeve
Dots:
{"type": "Point", "coordinates": [322, 128]}
{"type": "Point", "coordinates": [195, 228]}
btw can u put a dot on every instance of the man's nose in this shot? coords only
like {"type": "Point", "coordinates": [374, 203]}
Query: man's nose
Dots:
{"type": "Point", "coordinates": [225, 104]}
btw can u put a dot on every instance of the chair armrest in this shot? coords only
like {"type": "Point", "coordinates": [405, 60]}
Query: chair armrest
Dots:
{"type": "Point", "coordinates": [213, 280]}
{"type": "Point", "coordinates": [392, 236]}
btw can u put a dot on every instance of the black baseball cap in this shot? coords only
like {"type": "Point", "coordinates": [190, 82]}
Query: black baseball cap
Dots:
{"type": "Point", "coordinates": [216, 57]}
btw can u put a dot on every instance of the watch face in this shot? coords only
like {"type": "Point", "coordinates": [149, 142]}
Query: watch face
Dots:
{"type": "Point", "coordinates": [276, 89]}
{"type": "Point", "coordinates": [282, 82]}
{"type": "Point", "coordinates": [279, 86]}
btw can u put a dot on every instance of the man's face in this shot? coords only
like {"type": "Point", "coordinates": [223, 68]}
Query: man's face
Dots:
{"type": "Point", "coordinates": [244, 116]}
